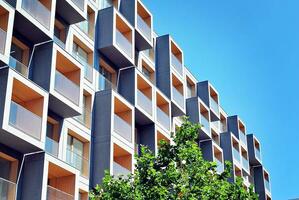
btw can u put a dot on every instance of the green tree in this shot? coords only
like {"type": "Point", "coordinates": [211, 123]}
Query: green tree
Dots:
{"type": "Point", "coordinates": [177, 172]}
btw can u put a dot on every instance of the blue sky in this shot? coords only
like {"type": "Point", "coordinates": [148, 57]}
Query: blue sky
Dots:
{"type": "Point", "coordinates": [249, 50]}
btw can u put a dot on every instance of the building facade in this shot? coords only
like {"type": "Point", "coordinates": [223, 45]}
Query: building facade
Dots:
{"type": "Point", "coordinates": [84, 83]}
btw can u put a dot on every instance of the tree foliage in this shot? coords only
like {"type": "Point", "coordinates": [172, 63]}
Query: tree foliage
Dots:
{"type": "Point", "coordinates": [177, 172]}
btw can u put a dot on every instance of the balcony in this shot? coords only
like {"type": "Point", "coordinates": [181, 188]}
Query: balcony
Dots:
{"type": "Point", "coordinates": [178, 97]}
{"type": "Point", "coordinates": [52, 147]}
{"type": "Point", "coordinates": [25, 120]}
{"type": "Point", "coordinates": [122, 128]}
{"type": "Point", "coordinates": [144, 102]}
{"type": "Point", "coordinates": [55, 194]}
{"type": "Point", "coordinates": [104, 84]}
{"type": "Point", "coordinates": [216, 125]}
{"type": "Point", "coordinates": [236, 155]}
{"type": "Point", "coordinates": [87, 28]}
{"type": "Point", "coordinates": [205, 123]}
{"type": "Point", "coordinates": [120, 170]}
{"type": "Point", "coordinates": [2, 41]}
{"type": "Point", "coordinates": [220, 166]}
{"type": "Point", "coordinates": [258, 154]}
{"type": "Point", "coordinates": [38, 11]}
{"type": "Point", "coordinates": [214, 106]}
{"type": "Point", "coordinates": [18, 66]}
{"type": "Point", "coordinates": [59, 42]}
{"type": "Point", "coordinates": [242, 138]}
{"type": "Point", "coordinates": [177, 64]}
{"type": "Point", "coordinates": [163, 118]}
{"type": "Point", "coordinates": [67, 88]}
{"type": "Point", "coordinates": [7, 189]}
{"type": "Point", "coordinates": [267, 185]}
{"type": "Point", "coordinates": [88, 70]}
{"type": "Point", "coordinates": [84, 119]}
{"type": "Point", "coordinates": [144, 28]}
{"type": "Point", "coordinates": [245, 163]}
{"type": "Point", "coordinates": [77, 161]}
{"type": "Point", "coordinates": [123, 43]}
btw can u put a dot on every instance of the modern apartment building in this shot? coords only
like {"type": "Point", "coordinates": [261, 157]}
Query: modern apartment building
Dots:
{"type": "Point", "coordinates": [83, 83]}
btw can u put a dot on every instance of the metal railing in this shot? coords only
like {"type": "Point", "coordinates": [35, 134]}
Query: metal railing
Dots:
{"type": "Point", "coordinates": [178, 97]}
{"type": "Point", "coordinates": [258, 154]}
{"type": "Point", "coordinates": [236, 155]}
{"type": "Point", "coordinates": [38, 11]}
{"type": "Point", "coordinates": [245, 163]}
{"type": "Point", "coordinates": [242, 137]}
{"type": "Point", "coordinates": [67, 88]}
{"type": "Point", "coordinates": [144, 102]}
{"type": "Point", "coordinates": [267, 185]}
{"type": "Point", "coordinates": [52, 147]}
{"type": "Point", "coordinates": [18, 66]}
{"type": "Point", "coordinates": [56, 194]}
{"type": "Point", "coordinates": [214, 106]}
{"type": "Point", "coordinates": [88, 70]}
{"type": "Point", "coordinates": [220, 166]}
{"type": "Point", "coordinates": [79, 3]}
{"type": "Point", "coordinates": [25, 120]}
{"type": "Point", "coordinates": [122, 128]}
{"type": "Point", "coordinates": [7, 189]}
{"type": "Point", "coordinates": [120, 170]}
{"type": "Point", "coordinates": [144, 27]}
{"type": "Point", "coordinates": [2, 40]}
{"type": "Point", "coordinates": [205, 124]}
{"type": "Point", "coordinates": [163, 118]}
{"type": "Point", "coordinates": [77, 161]}
{"type": "Point", "coordinates": [177, 64]}
{"type": "Point", "coordinates": [123, 43]}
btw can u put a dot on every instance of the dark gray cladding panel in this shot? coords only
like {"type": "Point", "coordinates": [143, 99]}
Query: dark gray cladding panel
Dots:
{"type": "Point", "coordinates": [3, 91]}
{"type": "Point", "coordinates": [232, 125]}
{"type": "Point", "coordinates": [203, 92]}
{"type": "Point", "coordinates": [68, 12]}
{"type": "Point", "coordinates": [207, 149]}
{"type": "Point", "coordinates": [226, 145]}
{"type": "Point", "coordinates": [146, 136]}
{"type": "Point", "coordinates": [127, 8]}
{"type": "Point", "coordinates": [32, 177]}
{"type": "Point", "coordinates": [259, 184]}
{"type": "Point", "coordinates": [251, 151]}
{"type": "Point", "coordinates": [192, 109]}
{"type": "Point", "coordinates": [41, 65]}
{"type": "Point", "coordinates": [105, 28]}
{"type": "Point", "coordinates": [127, 82]}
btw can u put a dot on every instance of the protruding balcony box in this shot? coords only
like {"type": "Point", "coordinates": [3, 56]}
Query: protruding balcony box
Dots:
{"type": "Point", "coordinates": [23, 112]}
{"type": "Point", "coordinates": [163, 115]}
{"type": "Point", "coordinates": [59, 73]}
{"type": "Point", "coordinates": [141, 19]}
{"type": "Point", "coordinates": [237, 172]}
{"type": "Point", "coordinates": [198, 112]}
{"type": "Point", "coordinates": [115, 37]}
{"type": "Point", "coordinates": [34, 19]}
{"type": "Point", "coordinates": [212, 152]}
{"type": "Point", "coordinates": [147, 68]}
{"type": "Point", "coordinates": [59, 175]}
{"type": "Point", "coordinates": [236, 151]}
{"type": "Point", "coordinates": [122, 163]}
{"type": "Point", "coordinates": [138, 90]}
{"type": "Point", "coordinates": [237, 127]}
{"type": "Point", "coordinates": [223, 121]}
{"type": "Point", "coordinates": [161, 135]}
{"type": "Point", "coordinates": [178, 105]}
{"type": "Point", "coordinates": [254, 150]}
{"type": "Point", "coordinates": [210, 97]}
{"type": "Point", "coordinates": [245, 160]}
{"type": "Point", "coordinates": [87, 27]}
{"type": "Point", "coordinates": [262, 182]}
{"type": "Point", "coordinates": [76, 10]}
{"type": "Point", "coordinates": [190, 84]}
{"type": "Point", "coordinates": [6, 27]}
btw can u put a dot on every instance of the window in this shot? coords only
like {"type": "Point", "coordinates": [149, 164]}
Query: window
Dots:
{"type": "Point", "coordinates": [75, 152]}
{"type": "Point", "coordinates": [80, 54]}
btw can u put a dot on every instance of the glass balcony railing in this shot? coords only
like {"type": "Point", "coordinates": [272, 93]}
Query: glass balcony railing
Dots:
{"type": "Point", "coordinates": [77, 161]}
{"type": "Point", "coordinates": [2, 41]}
{"type": "Point", "coordinates": [177, 64]}
{"type": "Point", "coordinates": [87, 28]}
{"type": "Point", "coordinates": [236, 155]}
{"type": "Point", "coordinates": [123, 43]}
{"type": "Point", "coordinates": [216, 125]}
{"type": "Point", "coordinates": [55, 194]}
{"type": "Point", "coordinates": [178, 97]}
{"type": "Point", "coordinates": [163, 118]}
{"type": "Point", "coordinates": [18, 66]}
{"type": "Point", "coordinates": [7, 189]}
{"type": "Point", "coordinates": [38, 11]}
{"type": "Point", "coordinates": [122, 128]}
{"type": "Point", "coordinates": [214, 106]}
{"type": "Point", "coordinates": [144, 27]}
{"type": "Point", "coordinates": [79, 3]}
{"type": "Point", "coordinates": [267, 185]}
{"type": "Point", "coordinates": [120, 170]}
{"type": "Point", "coordinates": [52, 146]}
{"type": "Point", "coordinates": [59, 42]}
{"type": "Point", "coordinates": [25, 120]}
{"type": "Point", "coordinates": [144, 102]}
{"type": "Point", "coordinates": [205, 123]}
{"type": "Point", "coordinates": [150, 53]}
{"type": "Point", "coordinates": [220, 166]}
{"type": "Point", "coordinates": [242, 137]}
{"type": "Point", "coordinates": [222, 127]}
{"type": "Point", "coordinates": [67, 88]}
{"type": "Point", "coordinates": [245, 163]}
{"type": "Point", "coordinates": [105, 84]}
{"type": "Point", "coordinates": [84, 118]}
{"type": "Point", "coordinates": [258, 154]}
{"type": "Point", "coordinates": [88, 70]}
